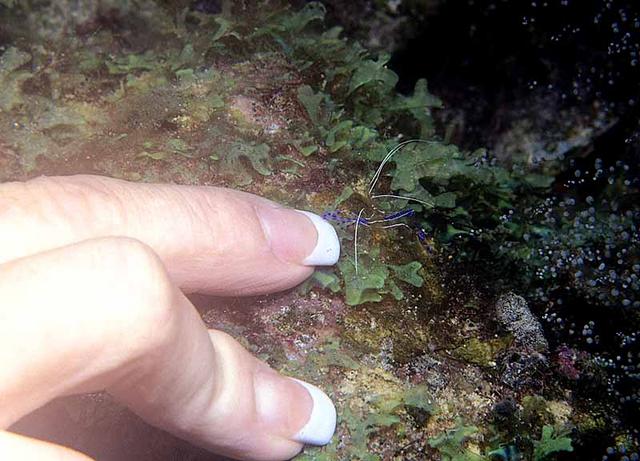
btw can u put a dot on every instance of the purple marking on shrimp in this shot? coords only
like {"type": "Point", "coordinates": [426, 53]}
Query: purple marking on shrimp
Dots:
{"type": "Point", "coordinates": [422, 235]}
{"type": "Point", "coordinates": [399, 214]}
{"type": "Point", "coordinates": [332, 216]}
{"type": "Point", "coordinates": [336, 216]}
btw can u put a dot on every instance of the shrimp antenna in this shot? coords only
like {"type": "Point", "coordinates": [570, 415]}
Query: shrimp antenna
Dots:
{"type": "Point", "coordinates": [387, 157]}
{"type": "Point", "coordinates": [355, 242]}
{"type": "Point", "coordinates": [404, 197]}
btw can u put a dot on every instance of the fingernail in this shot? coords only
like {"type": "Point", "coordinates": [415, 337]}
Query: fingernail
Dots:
{"type": "Point", "coordinates": [327, 249]}
{"type": "Point", "coordinates": [299, 236]}
{"type": "Point", "coordinates": [322, 423]}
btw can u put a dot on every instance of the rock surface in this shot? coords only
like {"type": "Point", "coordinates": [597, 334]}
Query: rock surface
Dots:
{"type": "Point", "coordinates": [515, 316]}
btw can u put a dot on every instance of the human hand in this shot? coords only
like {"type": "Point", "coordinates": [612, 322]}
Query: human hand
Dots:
{"type": "Point", "coordinates": [92, 274]}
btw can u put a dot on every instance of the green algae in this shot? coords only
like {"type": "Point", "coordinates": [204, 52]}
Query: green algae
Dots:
{"type": "Point", "coordinates": [232, 156]}
{"type": "Point", "coordinates": [451, 445]}
{"type": "Point", "coordinates": [374, 278]}
{"type": "Point", "coordinates": [480, 352]}
{"type": "Point", "coordinates": [535, 411]}
{"type": "Point", "coordinates": [11, 77]}
{"type": "Point", "coordinates": [368, 285]}
{"type": "Point", "coordinates": [454, 445]}
{"type": "Point", "coordinates": [551, 442]}
{"type": "Point", "coordinates": [311, 102]}
{"type": "Point", "coordinates": [363, 416]}
{"type": "Point", "coordinates": [409, 273]}
{"type": "Point", "coordinates": [131, 63]}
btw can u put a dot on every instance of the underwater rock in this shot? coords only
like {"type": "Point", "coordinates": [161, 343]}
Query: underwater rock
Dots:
{"type": "Point", "coordinates": [537, 128]}
{"type": "Point", "coordinates": [523, 365]}
{"type": "Point", "coordinates": [505, 409]}
{"type": "Point", "coordinates": [514, 315]}
{"type": "Point", "coordinates": [428, 370]}
{"type": "Point", "coordinates": [522, 371]}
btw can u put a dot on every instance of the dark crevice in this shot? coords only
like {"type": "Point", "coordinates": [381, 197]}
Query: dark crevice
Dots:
{"type": "Point", "coordinates": [486, 58]}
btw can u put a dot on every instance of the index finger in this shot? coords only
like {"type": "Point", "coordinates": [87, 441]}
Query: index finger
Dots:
{"type": "Point", "coordinates": [212, 240]}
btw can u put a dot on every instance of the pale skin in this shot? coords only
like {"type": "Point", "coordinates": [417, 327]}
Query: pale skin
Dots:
{"type": "Point", "coordinates": [92, 279]}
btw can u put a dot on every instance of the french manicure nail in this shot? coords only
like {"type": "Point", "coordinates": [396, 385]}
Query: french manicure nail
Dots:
{"type": "Point", "coordinates": [299, 236]}
{"type": "Point", "coordinates": [322, 423]}
{"type": "Point", "coordinates": [327, 249]}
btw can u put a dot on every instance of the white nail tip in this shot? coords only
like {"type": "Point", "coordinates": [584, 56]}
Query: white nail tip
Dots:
{"type": "Point", "coordinates": [322, 422]}
{"type": "Point", "coordinates": [327, 250]}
